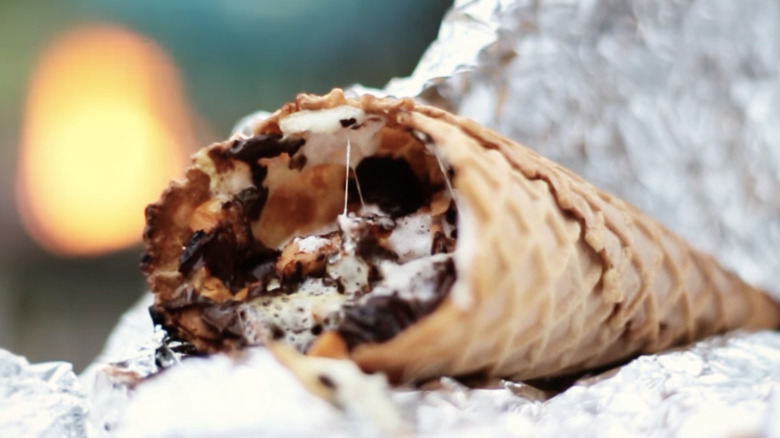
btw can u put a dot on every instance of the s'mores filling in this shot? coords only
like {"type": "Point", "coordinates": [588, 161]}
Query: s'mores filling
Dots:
{"type": "Point", "coordinates": [330, 221]}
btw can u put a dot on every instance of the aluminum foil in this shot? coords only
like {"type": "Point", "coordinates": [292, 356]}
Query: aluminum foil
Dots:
{"type": "Point", "coordinates": [131, 353]}
{"type": "Point", "coordinates": [674, 105]}
{"type": "Point", "coordinates": [40, 400]}
{"type": "Point", "coordinates": [724, 386]}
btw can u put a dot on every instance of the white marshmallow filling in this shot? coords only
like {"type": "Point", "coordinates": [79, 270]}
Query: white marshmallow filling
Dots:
{"type": "Point", "coordinates": [361, 219]}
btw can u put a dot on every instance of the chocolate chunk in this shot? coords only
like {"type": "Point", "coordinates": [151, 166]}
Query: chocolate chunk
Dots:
{"type": "Point", "coordinates": [252, 200]}
{"type": "Point", "coordinates": [451, 215]}
{"type": "Point", "coordinates": [277, 332]}
{"type": "Point", "coordinates": [384, 316]}
{"type": "Point", "coordinates": [164, 234]}
{"type": "Point", "coordinates": [263, 146]}
{"type": "Point", "coordinates": [157, 314]}
{"type": "Point", "coordinates": [224, 258]}
{"type": "Point", "coordinates": [252, 149]}
{"type": "Point", "coordinates": [236, 265]}
{"type": "Point", "coordinates": [191, 258]}
{"type": "Point", "coordinates": [347, 122]}
{"type": "Point", "coordinates": [258, 176]}
{"type": "Point", "coordinates": [380, 319]}
{"type": "Point", "coordinates": [257, 264]}
{"type": "Point", "coordinates": [215, 249]}
{"type": "Point", "coordinates": [391, 184]}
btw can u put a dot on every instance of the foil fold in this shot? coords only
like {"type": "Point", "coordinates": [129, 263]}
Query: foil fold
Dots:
{"type": "Point", "coordinates": [40, 400]}
{"type": "Point", "coordinates": [722, 386]}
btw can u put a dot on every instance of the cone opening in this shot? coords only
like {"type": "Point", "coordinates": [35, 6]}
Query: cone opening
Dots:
{"type": "Point", "coordinates": [329, 221]}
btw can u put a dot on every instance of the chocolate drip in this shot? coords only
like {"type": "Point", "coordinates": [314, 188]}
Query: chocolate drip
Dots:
{"type": "Point", "coordinates": [384, 316]}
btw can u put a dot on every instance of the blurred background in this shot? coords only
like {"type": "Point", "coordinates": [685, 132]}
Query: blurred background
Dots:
{"type": "Point", "coordinates": [101, 102]}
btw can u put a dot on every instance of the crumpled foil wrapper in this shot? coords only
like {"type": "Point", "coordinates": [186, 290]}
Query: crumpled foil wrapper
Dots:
{"type": "Point", "coordinates": [40, 400]}
{"type": "Point", "coordinates": [673, 105]}
{"type": "Point", "coordinates": [724, 386]}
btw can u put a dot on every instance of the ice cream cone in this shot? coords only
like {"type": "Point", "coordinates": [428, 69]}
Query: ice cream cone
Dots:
{"type": "Point", "coordinates": [553, 275]}
{"type": "Point", "coordinates": [564, 277]}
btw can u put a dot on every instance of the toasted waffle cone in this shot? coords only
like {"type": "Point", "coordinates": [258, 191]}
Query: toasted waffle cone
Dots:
{"type": "Point", "coordinates": [553, 275]}
{"type": "Point", "coordinates": [563, 277]}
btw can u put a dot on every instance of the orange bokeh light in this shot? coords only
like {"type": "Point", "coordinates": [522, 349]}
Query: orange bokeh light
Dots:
{"type": "Point", "coordinates": [104, 130]}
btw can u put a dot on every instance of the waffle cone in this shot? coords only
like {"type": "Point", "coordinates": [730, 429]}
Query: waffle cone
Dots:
{"type": "Point", "coordinates": [553, 275]}
{"type": "Point", "coordinates": [562, 276]}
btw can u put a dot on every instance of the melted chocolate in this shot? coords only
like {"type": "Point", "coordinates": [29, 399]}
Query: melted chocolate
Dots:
{"type": "Point", "coordinates": [451, 215]}
{"type": "Point", "coordinates": [191, 258]}
{"type": "Point", "coordinates": [252, 149]}
{"type": "Point", "coordinates": [252, 200]}
{"type": "Point", "coordinates": [347, 122]}
{"type": "Point", "coordinates": [391, 184]}
{"type": "Point", "coordinates": [218, 250]}
{"type": "Point", "coordinates": [157, 314]}
{"type": "Point", "coordinates": [370, 250]}
{"type": "Point", "coordinates": [277, 332]}
{"type": "Point", "coordinates": [258, 175]}
{"type": "Point", "coordinates": [263, 146]}
{"type": "Point", "coordinates": [384, 316]}
{"type": "Point", "coordinates": [257, 264]}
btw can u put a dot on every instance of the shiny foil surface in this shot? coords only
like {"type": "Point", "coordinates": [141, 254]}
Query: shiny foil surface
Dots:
{"type": "Point", "coordinates": [40, 400]}
{"type": "Point", "coordinates": [673, 105]}
{"type": "Point", "coordinates": [724, 386]}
